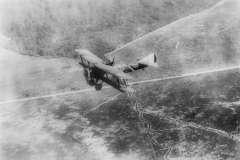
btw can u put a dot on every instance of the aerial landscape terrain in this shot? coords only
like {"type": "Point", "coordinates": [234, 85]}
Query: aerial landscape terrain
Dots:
{"type": "Point", "coordinates": [182, 114]}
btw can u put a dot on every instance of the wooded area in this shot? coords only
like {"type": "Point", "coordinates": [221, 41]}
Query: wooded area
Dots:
{"type": "Point", "coordinates": [56, 28]}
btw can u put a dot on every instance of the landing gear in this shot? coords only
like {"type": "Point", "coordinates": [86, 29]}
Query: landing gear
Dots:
{"type": "Point", "coordinates": [98, 85]}
{"type": "Point", "coordinates": [92, 80]}
{"type": "Point", "coordinates": [89, 77]}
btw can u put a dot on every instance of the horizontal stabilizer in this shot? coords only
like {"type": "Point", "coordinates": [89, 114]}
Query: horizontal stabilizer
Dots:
{"type": "Point", "coordinates": [149, 60]}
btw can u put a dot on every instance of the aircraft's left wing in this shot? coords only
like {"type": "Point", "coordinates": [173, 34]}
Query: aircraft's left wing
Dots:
{"type": "Point", "coordinates": [112, 70]}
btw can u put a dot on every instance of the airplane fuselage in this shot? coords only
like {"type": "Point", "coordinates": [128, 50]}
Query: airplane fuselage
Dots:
{"type": "Point", "coordinates": [97, 70]}
{"type": "Point", "coordinates": [95, 76]}
{"type": "Point", "coordinates": [116, 82]}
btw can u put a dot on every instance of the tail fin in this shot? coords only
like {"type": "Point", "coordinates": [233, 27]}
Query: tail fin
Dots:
{"type": "Point", "coordinates": [110, 62]}
{"type": "Point", "coordinates": [149, 60]}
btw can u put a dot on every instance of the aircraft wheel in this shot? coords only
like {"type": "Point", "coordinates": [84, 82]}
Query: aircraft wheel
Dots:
{"type": "Point", "coordinates": [98, 86]}
{"type": "Point", "coordinates": [89, 77]}
{"type": "Point", "coordinates": [85, 73]}
{"type": "Point", "coordinates": [90, 82]}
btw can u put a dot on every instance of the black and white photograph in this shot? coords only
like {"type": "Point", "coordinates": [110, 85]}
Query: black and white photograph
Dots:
{"type": "Point", "coordinates": [119, 79]}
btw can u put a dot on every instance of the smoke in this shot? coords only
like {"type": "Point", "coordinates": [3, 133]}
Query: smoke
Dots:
{"type": "Point", "coordinates": [98, 147]}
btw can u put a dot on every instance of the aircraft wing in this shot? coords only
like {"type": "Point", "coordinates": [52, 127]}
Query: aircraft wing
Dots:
{"type": "Point", "coordinates": [112, 70]}
{"type": "Point", "coordinates": [89, 56]}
